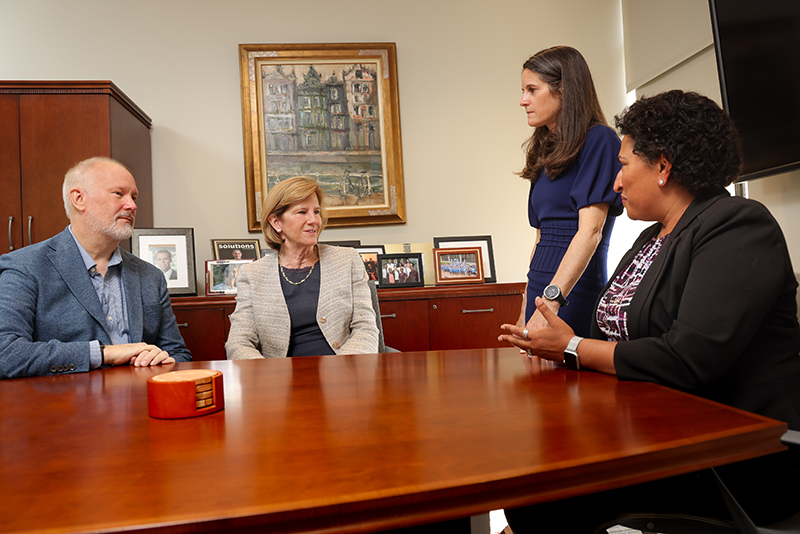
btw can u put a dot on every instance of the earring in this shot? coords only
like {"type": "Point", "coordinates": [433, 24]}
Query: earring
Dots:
{"type": "Point", "coordinates": [661, 182]}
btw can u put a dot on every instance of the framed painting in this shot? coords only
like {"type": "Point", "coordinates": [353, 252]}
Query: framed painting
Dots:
{"type": "Point", "coordinates": [458, 265]}
{"type": "Point", "coordinates": [482, 241]}
{"type": "Point", "coordinates": [236, 249]}
{"type": "Point", "coordinates": [369, 255]}
{"type": "Point", "coordinates": [221, 276]}
{"type": "Point", "coordinates": [401, 270]}
{"type": "Point", "coordinates": [172, 251]}
{"type": "Point", "coordinates": [329, 111]}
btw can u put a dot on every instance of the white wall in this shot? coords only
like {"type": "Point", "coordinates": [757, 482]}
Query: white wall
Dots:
{"type": "Point", "coordinates": [459, 64]}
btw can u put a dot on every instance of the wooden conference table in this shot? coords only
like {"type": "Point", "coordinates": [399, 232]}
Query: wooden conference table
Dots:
{"type": "Point", "coordinates": [346, 443]}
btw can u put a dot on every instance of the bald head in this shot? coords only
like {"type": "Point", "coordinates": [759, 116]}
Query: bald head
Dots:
{"type": "Point", "coordinates": [82, 176]}
{"type": "Point", "coordinates": [100, 200]}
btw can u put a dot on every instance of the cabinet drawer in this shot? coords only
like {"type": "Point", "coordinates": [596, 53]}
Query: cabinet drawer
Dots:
{"type": "Point", "coordinates": [405, 325]}
{"type": "Point", "coordinates": [471, 322]}
{"type": "Point", "coordinates": [203, 332]}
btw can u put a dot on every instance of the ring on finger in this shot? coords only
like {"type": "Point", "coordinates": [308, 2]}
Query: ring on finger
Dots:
{"type": "Point", "coordinates": [525, 334]}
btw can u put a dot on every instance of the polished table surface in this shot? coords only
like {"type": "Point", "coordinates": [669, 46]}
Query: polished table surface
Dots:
{"type": "Point", "coordinates": [346, 443]}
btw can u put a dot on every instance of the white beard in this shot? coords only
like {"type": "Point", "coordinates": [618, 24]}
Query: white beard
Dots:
{"type": "Point", "coordinates": [111, 229]}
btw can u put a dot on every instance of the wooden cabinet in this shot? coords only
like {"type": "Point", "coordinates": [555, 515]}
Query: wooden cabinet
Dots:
{"type": "Point", "coordinates": [454, 317]}
{"type": "Point", "coordinates": [47, 127]}
{"type": "Point", "coordinates": [424, 318]}
{"type": "Point", "coordinates": [204, 324]}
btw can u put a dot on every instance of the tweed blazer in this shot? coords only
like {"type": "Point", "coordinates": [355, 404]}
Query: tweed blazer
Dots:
{"type": "Point", "coordinates": [49, 310]}
{"type": "Point", "coordinates": [715, 314]}
{"type": "Point", "coordinates": [260, 325]}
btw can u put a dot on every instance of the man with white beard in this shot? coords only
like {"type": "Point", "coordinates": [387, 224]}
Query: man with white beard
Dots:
{"type": "Point", "coordinates": [77, 301]}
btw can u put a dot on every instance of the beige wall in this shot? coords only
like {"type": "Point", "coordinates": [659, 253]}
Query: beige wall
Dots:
{"type": "Point", "coordinates": [459, 65]}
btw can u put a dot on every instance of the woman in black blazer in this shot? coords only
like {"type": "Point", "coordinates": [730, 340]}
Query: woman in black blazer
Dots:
{"type": "Point", "coordinates": [703, 302]}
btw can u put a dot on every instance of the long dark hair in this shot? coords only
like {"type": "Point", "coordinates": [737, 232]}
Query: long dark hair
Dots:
{"type": "Point", "coordinates": [553, 151]}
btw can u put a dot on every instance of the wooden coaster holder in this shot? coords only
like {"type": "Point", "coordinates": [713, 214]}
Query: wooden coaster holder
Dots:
{"type": "Point", "coordinates": [188, 393]}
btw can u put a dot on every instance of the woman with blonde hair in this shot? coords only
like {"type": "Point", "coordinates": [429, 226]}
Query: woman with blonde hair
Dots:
{"type": "Point", "coordinates": [305, 299]}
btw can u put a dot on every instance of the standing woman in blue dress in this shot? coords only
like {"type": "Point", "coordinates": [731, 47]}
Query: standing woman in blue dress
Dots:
{"type": "Point", "coordinates": [571, 163]}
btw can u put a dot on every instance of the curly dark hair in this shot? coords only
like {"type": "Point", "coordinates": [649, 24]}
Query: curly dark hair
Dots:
{"type": "Point", "coordinates": [692, 132]}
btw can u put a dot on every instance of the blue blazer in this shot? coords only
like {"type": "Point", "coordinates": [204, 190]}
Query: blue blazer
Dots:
{"type": "Point", "coordinates": [49, 310]}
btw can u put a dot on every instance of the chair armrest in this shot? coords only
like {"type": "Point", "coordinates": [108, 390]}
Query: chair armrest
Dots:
{"type": "Point", "coordinates": [791, 438]}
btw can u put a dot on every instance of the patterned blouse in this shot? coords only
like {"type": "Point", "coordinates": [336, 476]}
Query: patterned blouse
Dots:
{"type": "Point", "coordinates": [612, 317]}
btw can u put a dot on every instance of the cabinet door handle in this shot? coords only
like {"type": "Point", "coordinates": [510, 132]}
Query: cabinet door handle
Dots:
{"type": "Point", "coordinates": [30, 222]}
{"type": "Point", "coordinates": [10, 224]}
{"type": "Point", "coordinates": [183, 325]}
{"type": "Point", "coordinates": [487, 310]}
{"type": "Point", "coordinates": [389, 316]}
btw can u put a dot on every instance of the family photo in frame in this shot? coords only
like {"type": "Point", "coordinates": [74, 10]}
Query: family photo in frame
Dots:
{"type": "Point", "coordinates": [401, 270]}
{"type": "Point", "coordinates": [369, 255]}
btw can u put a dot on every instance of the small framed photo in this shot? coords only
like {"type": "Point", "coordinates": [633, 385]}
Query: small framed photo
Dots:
{"type": "Point", "coordinates": [236, 249]}
{"type": "Point", "coordinates": [221, 276]}
{"type": "Point", "coordinates": [401, 270]}
{"type": "Point", "coordinates": [172, 251]}
{"type": "Point", "coordinates": [369, 255]}
{"type": "Point", "coordinates": [458, 265]}
{"type": "Point", "coordinates": [482, 241]}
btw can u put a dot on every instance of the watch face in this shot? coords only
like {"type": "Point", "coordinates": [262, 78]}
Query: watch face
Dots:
{"type": "Point", "coordinates": [572, 361]}
{"type": "Point", "coordinates": [551, 292]}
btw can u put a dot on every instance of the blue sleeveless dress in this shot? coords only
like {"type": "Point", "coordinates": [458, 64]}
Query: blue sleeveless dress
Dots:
{"type": "Point", "coordinates": [553, 208]}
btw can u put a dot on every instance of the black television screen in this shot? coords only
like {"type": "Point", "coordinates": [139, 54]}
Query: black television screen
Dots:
{"type": "Point", "coordinates": [757, 43]}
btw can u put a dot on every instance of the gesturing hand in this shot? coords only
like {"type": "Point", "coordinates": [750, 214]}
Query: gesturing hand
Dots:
{"type": "Point", "coordinates": [547, 342]}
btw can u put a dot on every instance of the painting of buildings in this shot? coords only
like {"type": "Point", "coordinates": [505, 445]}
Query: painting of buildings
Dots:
{"type": "Point", "coordinates": [323, 120]}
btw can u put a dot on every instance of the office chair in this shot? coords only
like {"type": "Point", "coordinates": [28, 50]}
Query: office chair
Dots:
{"type": "Point", "coordinates": [687, 524]}
{"type": "Point", "coordinates": [373, 292]}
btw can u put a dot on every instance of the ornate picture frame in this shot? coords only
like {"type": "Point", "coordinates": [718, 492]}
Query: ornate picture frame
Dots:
{"type": "Point", "coordinates": [330, 111]}
{"type": "Point", "coordinates": [458, 265]}
{"type": "Point", "coordinates": [172, 251]}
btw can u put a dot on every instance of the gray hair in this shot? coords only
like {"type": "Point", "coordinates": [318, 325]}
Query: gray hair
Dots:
{"type": "Point", "coordinates": [80, 176]}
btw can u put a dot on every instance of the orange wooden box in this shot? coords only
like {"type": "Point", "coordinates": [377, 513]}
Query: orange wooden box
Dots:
{"type": "Point", "coordinates": [188, 393]}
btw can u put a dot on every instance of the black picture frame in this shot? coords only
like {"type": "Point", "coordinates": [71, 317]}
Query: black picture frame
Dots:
{"type": "Point", "coordinates": [224, 249]}
{"type": "Point", "coordinates": [352, 243]}
{"type": "Point", "coordinates": [482, 241]}
{"type": "Point", "coordinates": [389, 264]}
{"type": "Point", "coordinates": [369, 255]}
{"type": "Point", "coordinates": [149, 244]}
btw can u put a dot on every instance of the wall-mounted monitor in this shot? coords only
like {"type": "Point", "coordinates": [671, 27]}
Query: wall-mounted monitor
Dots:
{"type": "Point", "coordinates": [757, 45]}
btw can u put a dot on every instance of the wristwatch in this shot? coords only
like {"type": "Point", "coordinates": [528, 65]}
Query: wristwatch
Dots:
{"type": "Point", "coordinates": [571, 358]}
{"type": "Point", "coordinates": [553, 292]}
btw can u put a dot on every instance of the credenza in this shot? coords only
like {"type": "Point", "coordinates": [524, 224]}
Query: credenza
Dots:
{"type": "Point", "coordinates": [423, 318]}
